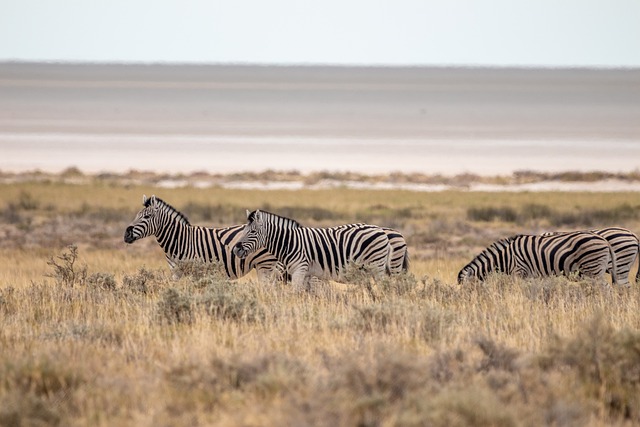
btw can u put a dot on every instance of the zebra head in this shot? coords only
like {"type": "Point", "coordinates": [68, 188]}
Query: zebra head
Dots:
{"type": "Point", "coordinates": [253, 235]}
{"type": "Point", "coordinates": [495, 258]}
{"type": "Point", "coordinates": [146, 221]}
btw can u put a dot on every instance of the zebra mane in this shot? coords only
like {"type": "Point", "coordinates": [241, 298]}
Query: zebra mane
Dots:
{"type": "Point", "coordinates": [161, 203]}
{"type": "Point", "coordinates": [274, 217]}
{"type": "Point", "coordinates": [499, 244]}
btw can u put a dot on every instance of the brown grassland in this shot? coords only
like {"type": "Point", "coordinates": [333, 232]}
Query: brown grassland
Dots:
{"type": "Point", "coordinates": [98, 334]}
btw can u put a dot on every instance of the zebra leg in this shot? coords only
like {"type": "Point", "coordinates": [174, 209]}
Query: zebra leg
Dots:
{"type": "Point", "coordinates": [272, 275]}
{"type": "Point", "coordinates": [300, 279]}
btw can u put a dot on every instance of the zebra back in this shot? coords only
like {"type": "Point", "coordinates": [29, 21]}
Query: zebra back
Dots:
{"type": "Point", "coordinates": [563, 253]}
{"type": "Point", "coordinates": [544, 255]}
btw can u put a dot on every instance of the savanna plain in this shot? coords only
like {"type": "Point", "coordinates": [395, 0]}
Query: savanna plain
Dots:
{"type": "Point", "coordinates": [94, 332]}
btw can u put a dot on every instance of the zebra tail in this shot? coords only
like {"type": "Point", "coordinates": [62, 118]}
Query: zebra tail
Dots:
{"type": "Point", "coordinates": [638, 258]}
{"type": "Point", "coordinates": [614, 266]}
{"type": "Point", "coordinates": [387, 265]}
{"type": "Point", "coordinates": [406, 262]}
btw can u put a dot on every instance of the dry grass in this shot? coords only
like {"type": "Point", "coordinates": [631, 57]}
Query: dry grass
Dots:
{"type": "Point", "coordinates": [119, 343]}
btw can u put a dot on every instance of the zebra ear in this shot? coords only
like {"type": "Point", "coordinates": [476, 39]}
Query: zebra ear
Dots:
{"type": "Point", "coordinates": [248, 213]}
{"type": "Point", "coordinates": [149, 201]}
{"type": "Point", "coordinates": [258, 216]}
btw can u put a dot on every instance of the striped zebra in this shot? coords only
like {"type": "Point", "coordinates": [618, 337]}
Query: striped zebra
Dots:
{"type": "Point", "coordinates": [315, 252]}
{"type": "Point", "coordinates": [626, 245]}
{"type": "Point", "coordinates": [399, 257]}
{"type": "Point", "coordinates": [182, 241]}
{"type": "Point", "coordinates": [534, 256]}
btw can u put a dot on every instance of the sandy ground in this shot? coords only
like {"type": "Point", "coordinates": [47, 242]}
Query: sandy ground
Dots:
{"type": "Point", "coordinates": [371, 120]}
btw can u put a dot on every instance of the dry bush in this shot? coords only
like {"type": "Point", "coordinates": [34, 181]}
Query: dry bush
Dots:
{"type": "Point", "coordinates": [65, 271]}
{"type": "Point", "coordinates": [577, 218]}
{"type": "Point", "coordinates": [8, 303]}
{"type": "Point", "coordinates": [496, 356]}
{"type": "Point", "coordinates": [175, 306]}
{"type": "Point", "coordinates": [41, 390]}
{"type": "Point", "coordinates": [488, 214]}
{"type": "Point", "coordinates": [196, 271]}
{"type": "Point", "coordinates": [204, 288]}
{"type": "Point", "coordinates": [102, 281]}
{"type": "Point", "coordinates": [261, 377]}
{"type": "Point", "coordinates": [19, 409]}
{"type": "Point", "coordinates": [226, 303]}
{"type": "Point", "coordinates": [427, 322]}
{"type": "Point", "coordinates": [606, 365]}
{"type": "Point", "coordinates": [461, 406]}
{"type": "Point", "coordinates": [41, 377]}
{"type": "Point", "coordinates": [145, 281]}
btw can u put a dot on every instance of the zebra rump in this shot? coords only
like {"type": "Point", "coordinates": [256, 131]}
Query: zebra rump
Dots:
{"type": "Point", "coordinates": [626, 246]}
{"type": "Point", "coordinates": [586, 253]}
{"type": "Point", "coordinates": [182, 241]}
{"type": "Point", "coordinates": [317, 252]}
{"type": "Point", "coordinates": [399, 256]}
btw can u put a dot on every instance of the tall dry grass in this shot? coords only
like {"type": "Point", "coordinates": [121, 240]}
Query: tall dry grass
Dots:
{"type": "Point", "coordinates": [146, 350]}
{"type": "Point", "coordinates": [120, 343]}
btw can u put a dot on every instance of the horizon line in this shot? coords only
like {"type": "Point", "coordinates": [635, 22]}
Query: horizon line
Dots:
{"type": "Point", "coordinates": [6, 61]}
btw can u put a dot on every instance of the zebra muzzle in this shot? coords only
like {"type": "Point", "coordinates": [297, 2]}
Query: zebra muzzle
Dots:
{"type": "Point", "coordinates": [128, 235]}
{"type": "Point", "coordinates": [239, 251]}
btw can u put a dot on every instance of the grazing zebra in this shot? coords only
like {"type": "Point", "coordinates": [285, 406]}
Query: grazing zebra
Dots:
{"type": "Point", "coordinates": [626, 245]}
{"type": "Point", "coordinates": [182, 241]}
{"type": "Point", "coordinates": [399, 257]}
{"type": "Point", "coordinates": [320, 252]}
{"type": "Point", "coordinates": [533, 256]}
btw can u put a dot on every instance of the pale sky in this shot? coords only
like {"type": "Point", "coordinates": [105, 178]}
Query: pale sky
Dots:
{"type": "Point", "coordinates": [549, 33]}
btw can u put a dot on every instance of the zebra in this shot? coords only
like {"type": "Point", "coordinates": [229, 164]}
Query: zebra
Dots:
{"type": "Point", "coordinates": [315, 252]}
{"type": "Point", "coordinates": [583, 252]}
{"type": "Point", "coordinates": [625, 244]}
{"type": "Point", "coordinates": [182, 241]}
{"type": "Point", "coordinates": [399, 257]}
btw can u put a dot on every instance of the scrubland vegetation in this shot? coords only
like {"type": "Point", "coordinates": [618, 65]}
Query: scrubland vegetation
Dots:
{"type": "Point", "coordinates": [94, 332]}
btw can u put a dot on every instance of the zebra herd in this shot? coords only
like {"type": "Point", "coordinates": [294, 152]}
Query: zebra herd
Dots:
{"type": "Point", "coordinates": [301, 252]}
{"type": "Point", "coordinates": [279, 247]}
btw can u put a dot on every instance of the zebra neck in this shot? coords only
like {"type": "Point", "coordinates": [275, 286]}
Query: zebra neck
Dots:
{"type": "Point", "coordinates": [494, 258]}
{"type": "Point", "coordinates": [171, 235]}
{"type": "Point", "coordinates": [279, 241]}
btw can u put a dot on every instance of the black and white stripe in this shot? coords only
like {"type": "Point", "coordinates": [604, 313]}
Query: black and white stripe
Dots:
{"type": "Point", "coordinates": [315, 252]}
{"type": "Point", "coordinates": [399, 256]}
{"type": "Point", "coordinates": [583, 252]}
{"type": "Point", "coordinates": [626, 245]}
{"type": "Point", "coordinates": [182, 241]}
